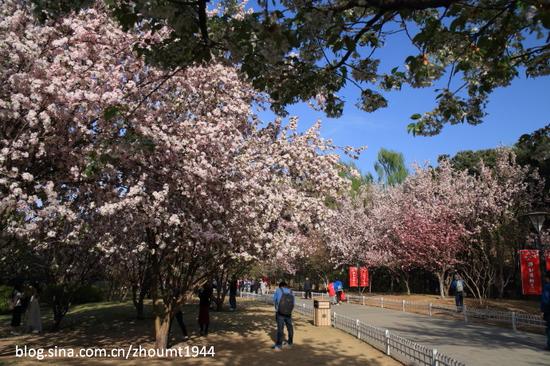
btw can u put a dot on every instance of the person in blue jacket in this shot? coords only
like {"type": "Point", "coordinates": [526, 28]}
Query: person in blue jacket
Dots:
{"type": "Point", "coordinates": [283, 316]}
{"type": "Point", "coordinates": [338, 287]}
{"type": "Point", "coordinates": [545, 307]}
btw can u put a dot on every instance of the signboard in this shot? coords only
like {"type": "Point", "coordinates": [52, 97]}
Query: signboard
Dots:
{"type": "Point", "coordinates": [353, 279]}
{"type": "Point", "coordinates": [530, 272]}
{"type": "Point", "coordinates": [363, 277]}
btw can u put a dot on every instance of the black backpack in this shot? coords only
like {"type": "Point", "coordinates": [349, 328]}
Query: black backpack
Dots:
{"type": "Point", "coordinates": [286, 304]}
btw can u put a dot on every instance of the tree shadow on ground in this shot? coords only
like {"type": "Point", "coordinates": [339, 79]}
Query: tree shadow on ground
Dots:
{"type": "Point", "coordinates": [243, 337]}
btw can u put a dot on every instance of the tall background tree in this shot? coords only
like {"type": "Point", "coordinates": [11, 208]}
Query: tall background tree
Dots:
{"type": "Point", "coordinates": [390, 167]}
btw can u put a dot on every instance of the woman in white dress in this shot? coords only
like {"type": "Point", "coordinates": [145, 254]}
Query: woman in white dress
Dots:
{"type": "Point", "coordinates": [263, 287]}
{"type": "Point", "coordinates": [34, 320]}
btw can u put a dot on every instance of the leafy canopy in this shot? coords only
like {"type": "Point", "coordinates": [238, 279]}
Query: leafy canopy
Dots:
{"type": "Point", "coordinates": [299, 50]}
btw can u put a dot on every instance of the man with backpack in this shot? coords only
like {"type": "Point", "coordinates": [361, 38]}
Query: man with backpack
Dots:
{"type": "Point", "coordinates": [458, 287]}
{"type": "Point", "coordinates": [283, 299]}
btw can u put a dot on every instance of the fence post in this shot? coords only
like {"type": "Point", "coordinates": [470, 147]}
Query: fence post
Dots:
{"type": "Point", "coordinates": [403, 305]}
{"type": "Point", "coordinates": [434, 358]}
{"type": "Point", "coordinates": [514, 321]}
{"type": "Point", "coordinates": [387, 342]}
{"type": "Point", "coordinates": [430, 309]}
{"type": "Point", "coordinates": [382, 302]}
{"type": "Point", "coordinates": [465, 313]}
{"type": "Point", "coordinates": [363, 300]}
{"type": "Point", "coordinates": [357, 326]}
{"type": "Point", "coordinates": [334, 320]}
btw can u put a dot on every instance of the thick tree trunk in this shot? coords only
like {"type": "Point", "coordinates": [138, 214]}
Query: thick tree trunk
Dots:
{"type": "Point", "coordinates": [60, 308]}
{"type": "Point", "coordinates": [162, 311]}
{"type": "Point", "coordinates": [441, 280]}
{"type": "Point", "coordinates": [162, 328]}
{"type": "Point", "coordinates": [406, 281]}
{"type": "Point", "coordinates": [138, 303]}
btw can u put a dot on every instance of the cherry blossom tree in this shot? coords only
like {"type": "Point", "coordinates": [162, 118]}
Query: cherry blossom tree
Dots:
{"type": "Point", "coordinates": [58, 80]}
{"type": "Point", "coordinates": [111, 156]}
{"type": "Point", "coordinates": [502, 194]}
{"type": "Point", "coordinates": [354, 234]}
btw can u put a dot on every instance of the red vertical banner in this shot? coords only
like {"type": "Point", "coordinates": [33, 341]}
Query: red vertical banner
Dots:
{"type": "Point", "coordinates": [530, 272]}
{"type": "Point", "coordinates": [353, 280]}
{"type": "Point", "coordinates": [363, 277]}
{"type": "Point", "coordinates": [547, 257]}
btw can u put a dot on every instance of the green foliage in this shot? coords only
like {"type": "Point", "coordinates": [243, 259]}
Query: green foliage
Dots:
{"type": "Point", "coordinates": [349, 171]}
{"type": "Point", "coordinates": [534, 150]}
{"type": "Point", "coordinates": [45, 9]}
{"type": "Point", "coordinates": [82, 295]}
{"type": "Point", "coordinates": [390, 167]}
{"type": "Point", "coordinates": [88, 294]}
{"type": "Point", "coordinates": [5, 294]}
{"type": "Point", "coordinates": [469, 160]}
{"type": "Point", "coordinates": [295, 51]}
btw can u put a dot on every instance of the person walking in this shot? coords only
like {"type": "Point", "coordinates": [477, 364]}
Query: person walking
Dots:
{"type": "Point", "coordinates": [338, 287]}
{"type": "Point", "coordinates": [458, 287]}
{"type": "Point", "coordinates": [181, 323]}
{"type": "Point", "coordinates": [205, 296]}
{"type": "Point", "coordinates": [263, 287]}
{"type": "Point", "coordinates": [545, 307]}
{"type": "Point", "coordinates": [17, 308]}
{"type": "Point", "coordinates": [33, 316]}
{"type": "Point", "coordinates": [283, 299]}
{"type": "Point", "coordinates": [307, 288]}
{"type": "Point", "coordinates": [233, 294]}
{"type": "Point", "coordinates": [331, 293]}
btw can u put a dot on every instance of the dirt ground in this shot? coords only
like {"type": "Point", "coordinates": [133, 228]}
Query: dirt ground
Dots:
{"type": "Point", "coordinates": [527, 306]}
{"type": "Point", "coordinates": [243, 337]}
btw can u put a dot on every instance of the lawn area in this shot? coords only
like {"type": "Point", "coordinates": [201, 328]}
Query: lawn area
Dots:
{"type": "Point", "coordinates": [240, 338]}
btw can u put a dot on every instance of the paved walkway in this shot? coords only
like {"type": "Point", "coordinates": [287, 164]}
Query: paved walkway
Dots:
{"type": "Point", "coordinates": [473, 344]}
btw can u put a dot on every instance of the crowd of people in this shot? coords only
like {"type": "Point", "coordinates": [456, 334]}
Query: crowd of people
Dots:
{"type": "Point", "coordinates": [258, 286]}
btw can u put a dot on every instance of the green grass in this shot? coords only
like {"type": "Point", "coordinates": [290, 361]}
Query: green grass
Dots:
{"type": "Point", "coordinates": [86, 313]}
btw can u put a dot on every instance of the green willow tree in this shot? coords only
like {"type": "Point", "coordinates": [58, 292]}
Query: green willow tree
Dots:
{"type": "Point", "coordinates": [299, 50]}
{"type": "Point", "coordinates": [390, 167]}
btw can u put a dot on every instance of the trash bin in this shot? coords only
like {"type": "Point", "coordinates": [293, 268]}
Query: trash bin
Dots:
{"type": "Point", "coordinates": [321, 313]}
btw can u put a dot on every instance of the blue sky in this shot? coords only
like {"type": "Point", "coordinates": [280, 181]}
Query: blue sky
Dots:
{"type": "Point", "coordinates": [520, 108]}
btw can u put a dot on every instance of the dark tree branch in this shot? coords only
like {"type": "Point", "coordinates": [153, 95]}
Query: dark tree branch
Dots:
{"type": "Point", "coordinates": [202, 21]}
{"type": "Point", "coordinates": [390, 5]}
{"type": "Point", "coordinates": [356, 39]}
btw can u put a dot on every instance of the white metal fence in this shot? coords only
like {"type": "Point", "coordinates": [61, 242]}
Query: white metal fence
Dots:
{"type": "Point", "coordinates": [401, 349]}
{"type": "Point", "coordinates": [514, 319]}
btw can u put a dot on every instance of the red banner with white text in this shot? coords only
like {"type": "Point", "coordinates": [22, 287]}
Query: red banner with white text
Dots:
{"type": "Point", "coordinates": [353, 280]}
{"type": "Point", "coordinates": [363, 277]}
{"type": "Point", "coordinates": [530, 272]}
